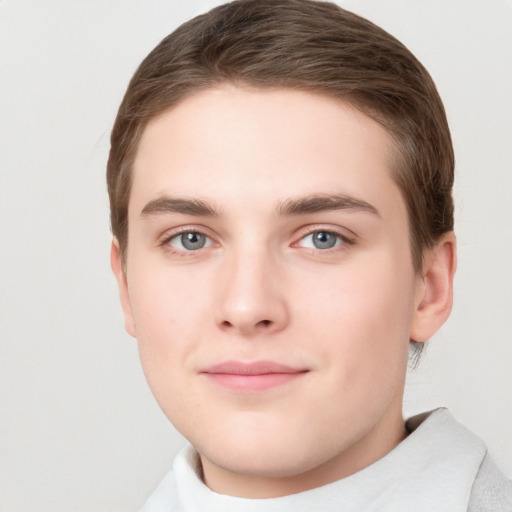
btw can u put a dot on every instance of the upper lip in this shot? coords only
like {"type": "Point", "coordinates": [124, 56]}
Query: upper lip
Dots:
{"type": "Point", "coordinates": [251, 368]}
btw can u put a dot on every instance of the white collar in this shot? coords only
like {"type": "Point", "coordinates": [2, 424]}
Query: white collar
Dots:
{"type": "Point", "coordinates": [432, 469]}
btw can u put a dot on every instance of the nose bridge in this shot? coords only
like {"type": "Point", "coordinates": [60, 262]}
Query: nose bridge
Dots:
{"type": "Point", "coordinates": [251, 299]}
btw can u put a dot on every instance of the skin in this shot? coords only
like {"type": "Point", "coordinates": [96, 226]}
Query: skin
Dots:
{"type": "Point", "coordinates": [260, 289]}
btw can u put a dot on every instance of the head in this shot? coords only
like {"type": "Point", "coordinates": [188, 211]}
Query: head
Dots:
{"type": "Point", "coordinates": [324, 251]}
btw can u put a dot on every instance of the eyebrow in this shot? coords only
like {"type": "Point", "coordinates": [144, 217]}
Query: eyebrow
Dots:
{"type": "Point", "coordinates": [320, 203]}
{"type": "Point", "coordinates": [290, 207]}
{"type": "Point", "coordinates": [167, 204]}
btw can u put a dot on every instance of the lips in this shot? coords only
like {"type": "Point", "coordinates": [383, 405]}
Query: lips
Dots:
{"type": "Point", "coordinates": [252, 377]}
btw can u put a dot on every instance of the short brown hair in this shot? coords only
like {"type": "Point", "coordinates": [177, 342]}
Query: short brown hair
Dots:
{"type": "Point", "coordinates": [306, 45]}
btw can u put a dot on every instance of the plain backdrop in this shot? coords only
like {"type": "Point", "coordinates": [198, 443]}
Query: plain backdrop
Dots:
{"type": "Point", "coordinates": [79, 429]}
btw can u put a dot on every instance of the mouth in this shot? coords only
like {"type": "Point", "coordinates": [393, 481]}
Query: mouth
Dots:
{"type": "Point", "coordinates": [252, 377]}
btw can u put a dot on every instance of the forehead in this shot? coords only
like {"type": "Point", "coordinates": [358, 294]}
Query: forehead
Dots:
{"type": "Point", "coordinates": [229, 143]}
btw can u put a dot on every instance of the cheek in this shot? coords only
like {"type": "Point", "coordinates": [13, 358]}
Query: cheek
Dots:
{"type": "Point", "coordinates": [167, 327]}
{"type": "Point", "coordinates": [161, 302]}
{"type": "Point", "coordinates": [363, 323]}
{"type": "Point", "coordinates": [167, 331]}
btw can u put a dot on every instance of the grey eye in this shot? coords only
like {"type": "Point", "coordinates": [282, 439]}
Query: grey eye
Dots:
{"type": "Point", "coordinates": [193, 241]}
{"type": "Point", "coordinates": [190, 241]}
{"type": "Point", "coordinates": [324, 239]}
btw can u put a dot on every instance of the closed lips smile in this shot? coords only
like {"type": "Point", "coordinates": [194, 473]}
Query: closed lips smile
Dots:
{"type": "Point", "coordinates": [252, 377]}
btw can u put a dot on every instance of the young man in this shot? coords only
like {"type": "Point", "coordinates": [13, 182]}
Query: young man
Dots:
{"type": "Point", "coordinates": [280, 183]}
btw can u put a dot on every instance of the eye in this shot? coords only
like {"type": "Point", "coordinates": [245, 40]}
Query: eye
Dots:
{"type": "Point", "coordinates": [322, 240]}
{"type": "Point", "coordinates": [189, 241]}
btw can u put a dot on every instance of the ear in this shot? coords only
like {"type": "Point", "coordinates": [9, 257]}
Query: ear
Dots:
{"type": "Point", "coordinates": [434, 292]}
{"type": "Point", "coordinates": [122, 283]}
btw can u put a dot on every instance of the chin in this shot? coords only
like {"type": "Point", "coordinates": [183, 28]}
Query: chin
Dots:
{"type": "Point", "coordinates": [266, 455]}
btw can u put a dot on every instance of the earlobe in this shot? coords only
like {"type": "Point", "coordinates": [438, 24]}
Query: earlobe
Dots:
{"type": "Point", "coordinates": [120, 275]}
{"type": "Point", "coordinates": [434, 297]}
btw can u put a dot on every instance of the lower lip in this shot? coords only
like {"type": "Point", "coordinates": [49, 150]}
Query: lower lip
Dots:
{"type": "Point", "coordinates": [253, 383]}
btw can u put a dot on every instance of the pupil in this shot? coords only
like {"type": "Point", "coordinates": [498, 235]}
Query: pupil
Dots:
{"type": "Point", "coordinates": [193, 241]}
{"type": "Point", "coordinates": [324, 240]}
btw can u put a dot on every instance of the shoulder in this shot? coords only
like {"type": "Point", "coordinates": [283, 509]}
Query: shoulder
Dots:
{"type": "Point", "coordinates": [491, 491]}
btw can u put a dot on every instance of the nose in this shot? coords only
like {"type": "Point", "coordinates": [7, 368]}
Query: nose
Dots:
{"type": "Point", "coordinates": [252, 295]}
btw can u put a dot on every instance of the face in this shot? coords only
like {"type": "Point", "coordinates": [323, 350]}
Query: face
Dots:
{"type": "Point", "coordinates": [270, 286]}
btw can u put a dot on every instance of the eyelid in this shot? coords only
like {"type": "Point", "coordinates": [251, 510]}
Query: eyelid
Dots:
{"type": "Point", "coordinates": [347, 235]}
{"type": "Point", "coordinates": [174, 232]}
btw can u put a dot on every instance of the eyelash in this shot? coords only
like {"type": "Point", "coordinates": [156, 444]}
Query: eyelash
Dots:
{"type": "Point", "coordinates": [343, 238]}
{"type": "Point", "coordinates": [166, 241]}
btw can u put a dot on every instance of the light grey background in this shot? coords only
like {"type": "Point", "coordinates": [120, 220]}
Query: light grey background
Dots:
{"type": "Point", "coordinates": [79, 429]}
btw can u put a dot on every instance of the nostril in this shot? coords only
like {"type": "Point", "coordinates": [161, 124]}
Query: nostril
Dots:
{"type": "Point", "coordinates": [245, 326]}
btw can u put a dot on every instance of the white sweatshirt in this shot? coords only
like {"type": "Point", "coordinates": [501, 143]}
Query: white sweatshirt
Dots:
{"type": "Point", "coordinates": [440, 466]}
